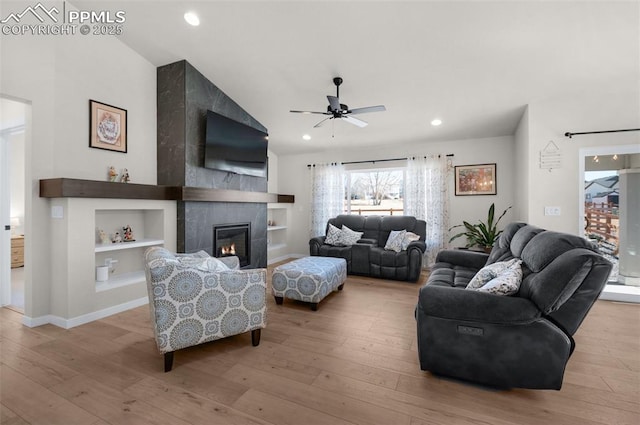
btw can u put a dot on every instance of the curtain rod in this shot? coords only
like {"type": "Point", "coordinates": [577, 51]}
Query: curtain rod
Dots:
{"type": "Point", "coordinates": [570, 135]}
{"type": "Point", "coordinates": [373, 161]}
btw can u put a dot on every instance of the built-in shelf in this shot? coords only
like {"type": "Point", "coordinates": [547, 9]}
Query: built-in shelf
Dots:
{"type": "Point", "coordinates": [77, 188]}
{"type": "Point", "coordinates": [117, 281]}
{"type": "Point", "coordinates": [271, 228]}
{"type": "Point", "coordinates": [128, 245]}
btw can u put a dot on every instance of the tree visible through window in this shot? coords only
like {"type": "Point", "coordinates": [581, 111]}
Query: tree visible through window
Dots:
{"type": "Point", "coordinates": [375, 192]}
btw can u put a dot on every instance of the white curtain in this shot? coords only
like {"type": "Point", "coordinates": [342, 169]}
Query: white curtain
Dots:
{"type": "Point", "coordinates": [426, 198]}
{"type": "Point", "coordinates": [327, 195]}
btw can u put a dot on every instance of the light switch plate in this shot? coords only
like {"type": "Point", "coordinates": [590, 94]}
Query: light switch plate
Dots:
{"type": "Point", "coordinates": [57, 211]}
{"type": "Point", "coordinates": [551, 210]}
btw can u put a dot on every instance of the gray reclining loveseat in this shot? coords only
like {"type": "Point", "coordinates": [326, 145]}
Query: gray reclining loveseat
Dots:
{"type": "Point", "coordinates": [521, 340]}
{"type": "Point", "coordinates": [368, 257]}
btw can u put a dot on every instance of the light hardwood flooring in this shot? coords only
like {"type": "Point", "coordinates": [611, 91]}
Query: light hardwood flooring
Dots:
{"type": "Point", "coordinates": [354, 361]}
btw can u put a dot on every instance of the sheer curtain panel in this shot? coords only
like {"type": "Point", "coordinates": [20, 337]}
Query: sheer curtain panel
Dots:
{"type": "Point", "coordinates": [426, 198]}
{"type": "Point", "coordinates": [327, 195]}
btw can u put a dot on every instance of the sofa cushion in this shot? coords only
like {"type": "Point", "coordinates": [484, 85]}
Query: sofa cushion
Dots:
{"type": "Point", "coordinates": [522, 238]}
{"type": "Point", "coordinates": [355, 222]}
{"type": "Point", "coordinates": [408, 238]}
{"type": "Point", "coordinates": [334, 236]}
{"type": "Point", "coordinates": [336, 251]}
{"type": "Point", "coordinates": [490, 272]}
{"type": "Point", "coordinates": [395, 240]}
{"type": "Point", "coordinates": [349, 237]}
{"type": "Point", "coordinates": [546, 246]}
{"type": "Point", "coordinates": [507, 282]}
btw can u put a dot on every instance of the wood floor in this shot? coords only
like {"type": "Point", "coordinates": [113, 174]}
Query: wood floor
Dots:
{"type": "Point", "coordinates": [353, 361]}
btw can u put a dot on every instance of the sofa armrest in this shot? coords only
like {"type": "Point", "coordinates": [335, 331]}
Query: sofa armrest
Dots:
{"type": "Point", "coordinates": [421, 245]}
{"type": "Point", "coordinates": [463, 257]}
{"type": "Point", "coordinates": [473, 306]}
{"type": "Point", "coordinates": [315, 244]}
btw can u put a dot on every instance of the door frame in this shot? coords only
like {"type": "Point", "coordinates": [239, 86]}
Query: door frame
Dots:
{"type": "Point", "coordinates": [624, 293]}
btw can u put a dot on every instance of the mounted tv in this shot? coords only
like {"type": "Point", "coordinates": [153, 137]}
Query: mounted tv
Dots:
{"type": "Point", "coordinates": [234, 147]}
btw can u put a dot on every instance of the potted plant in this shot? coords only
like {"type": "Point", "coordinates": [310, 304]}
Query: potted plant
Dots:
{"type": "Point", "coordinates": [482, 234]}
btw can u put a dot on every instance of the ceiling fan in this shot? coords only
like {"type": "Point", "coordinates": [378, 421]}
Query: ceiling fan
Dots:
{"type": "Point", "coordinates": [335, 109]}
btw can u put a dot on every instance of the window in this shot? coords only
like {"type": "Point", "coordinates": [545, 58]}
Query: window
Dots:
{"type": "Point", "coordinates": [375, 192]}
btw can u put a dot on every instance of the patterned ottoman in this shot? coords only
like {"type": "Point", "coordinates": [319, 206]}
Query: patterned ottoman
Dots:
{"type": "Point", "coordinates": [308, 279]}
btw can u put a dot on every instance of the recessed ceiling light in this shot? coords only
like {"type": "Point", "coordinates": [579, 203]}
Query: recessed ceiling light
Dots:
{"type": "Point", "coordinates": [306, 137]}
{"type": "Point", "coordinates": [192, 19]}
{"type": "Point", "coordinates": [436, 122]}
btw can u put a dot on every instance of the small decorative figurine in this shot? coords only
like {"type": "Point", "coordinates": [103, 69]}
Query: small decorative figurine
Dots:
{"type": "Point", "coordinates": [103, 236]}
{"type": "Point", "coordinates": [113, 174]}
{"type": "Point", "coordinates": [128, 234]}
{"type": "Point", "coordinates": [117, 238]}
{"type": "Point", "coordinates": [125, 176]}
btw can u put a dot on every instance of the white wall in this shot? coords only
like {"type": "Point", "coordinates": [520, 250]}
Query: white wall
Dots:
{"type": "Point", "coordinates": [272, 181]}
{"type": "Point", "coordinates": [59, 74]}
{"type": "Point", "coordinates": [549, 120]}
{"type": "Point", "coordinates": [294, 179]}
{"type": "Point", "coordinates": [522, 160]}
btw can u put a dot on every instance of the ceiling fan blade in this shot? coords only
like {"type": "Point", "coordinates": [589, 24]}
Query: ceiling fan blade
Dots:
{"type": "Point", "coordinates": [354, 121]}
{"type": "Point", "coordinates": [310, 112]}
{"type": "Point", "coordinates": [322, 122]}
{"type": "Point", "coordinates": [367, 109]}
{"type": "Point", "coordinates": [334, 102]}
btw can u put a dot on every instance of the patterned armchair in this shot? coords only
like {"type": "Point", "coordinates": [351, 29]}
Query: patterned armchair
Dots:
{"type": "Point", "coordinates": [195, 298]}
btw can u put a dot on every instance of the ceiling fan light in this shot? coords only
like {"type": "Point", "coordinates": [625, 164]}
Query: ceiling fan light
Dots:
{"type": "Point", "coordinates": [436, 122]}
{"type": "Point", "coordinates": [192, 19]}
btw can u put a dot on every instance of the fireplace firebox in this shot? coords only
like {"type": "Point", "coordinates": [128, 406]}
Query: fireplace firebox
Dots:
{"type": "Point", "coordinates": [233, 239]}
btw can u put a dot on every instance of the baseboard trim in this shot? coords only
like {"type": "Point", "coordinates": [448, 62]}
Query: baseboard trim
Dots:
{"type": "Point", "coordinates": [61, 322]}
{"type": "Point", "coordinates": [284, 257]}
{"type": "Point", "coordinates": [621, 293]}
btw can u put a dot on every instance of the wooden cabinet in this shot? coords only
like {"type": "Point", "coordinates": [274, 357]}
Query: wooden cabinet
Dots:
{"type": "Point", "coordinates": [17, 251]}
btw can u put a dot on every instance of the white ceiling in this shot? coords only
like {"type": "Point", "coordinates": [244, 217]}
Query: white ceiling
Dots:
{"type": "Point", "coordinates": [474, 64]}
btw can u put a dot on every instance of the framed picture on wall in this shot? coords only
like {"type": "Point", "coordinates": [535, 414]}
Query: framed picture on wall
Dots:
{"type": "Point", "coordinates": [107, 127]}
{"type": "Point", "coordinates": [478, 179]}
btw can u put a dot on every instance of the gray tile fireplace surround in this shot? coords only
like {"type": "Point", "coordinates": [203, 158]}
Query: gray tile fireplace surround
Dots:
{"type": "Point", "coordinates": [184, 97]}
{"type": "Point", "coordinates": [201, 217]}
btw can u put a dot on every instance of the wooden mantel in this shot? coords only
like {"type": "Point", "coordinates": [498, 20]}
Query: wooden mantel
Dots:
{"type": "Point", "coordinates": [78, 188]}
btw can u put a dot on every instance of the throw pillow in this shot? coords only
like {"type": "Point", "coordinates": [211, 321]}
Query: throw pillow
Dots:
{"type": "Point", "coordinates": [395, 239]}
{"type": "Point", "coordinates": [333, 236]}
{"type": "Point", "coordinates": [408, 238]}
{"type": "Point", "coordinates": [506, 283]}
{"type": "Point", "coordinates": [489, 272]}
{"type": "Point", "coordinates": [349, 237]}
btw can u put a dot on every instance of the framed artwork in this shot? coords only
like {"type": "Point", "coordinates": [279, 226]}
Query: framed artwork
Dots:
{"type": "Point", "coordinates": [107, 127]}
{"type": "Point", "coordinates": [478, 179]}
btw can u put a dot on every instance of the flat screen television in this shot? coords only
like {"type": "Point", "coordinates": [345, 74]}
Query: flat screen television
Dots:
{"type": "Point", "coordinates": [234, 147]}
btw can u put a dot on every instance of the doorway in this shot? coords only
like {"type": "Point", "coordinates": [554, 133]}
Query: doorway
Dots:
{"type": "Point", "coordinates": [13, 123]}
{"type": "Point", "coordinates": [608, 194]}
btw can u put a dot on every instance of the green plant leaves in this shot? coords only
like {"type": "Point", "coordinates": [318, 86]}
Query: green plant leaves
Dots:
{"type": "Point", "coordinates": [481, 234]}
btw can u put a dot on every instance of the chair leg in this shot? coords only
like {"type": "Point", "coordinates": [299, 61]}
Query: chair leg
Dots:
{"type": "Point", "coordinates": [341, 287]}
{"type": "Point", "coordinates": [168, 361]}
{"type": "Point", "coordinates": [255, 337]}
{"type": "Point", "coordinates": [314, 306]}
{"type": "Point", "coordinates": [279, 300]}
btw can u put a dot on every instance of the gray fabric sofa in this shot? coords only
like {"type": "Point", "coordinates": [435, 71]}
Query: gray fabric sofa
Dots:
{"type": "Point", "coordinates": [523, 340]}
{"type": "Point", "coordinates": [368, 257]}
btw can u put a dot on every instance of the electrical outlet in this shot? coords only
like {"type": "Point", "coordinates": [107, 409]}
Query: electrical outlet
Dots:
{"type": "Point", "coordinates": [555, 211]}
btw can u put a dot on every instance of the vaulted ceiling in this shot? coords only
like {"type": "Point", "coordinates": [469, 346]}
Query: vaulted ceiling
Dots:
{"type": "Point", "coordinates": [473, 64]}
